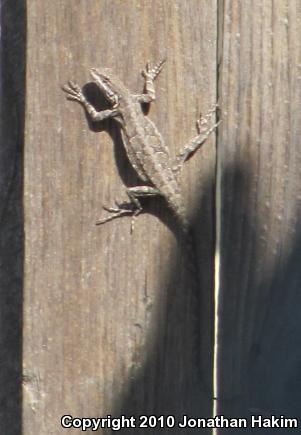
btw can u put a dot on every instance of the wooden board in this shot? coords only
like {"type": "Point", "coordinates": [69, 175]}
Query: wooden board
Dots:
{"type": "Point", "coordinates": [259, 155]}
{"type": "Point", "coordinates": [108, 322]}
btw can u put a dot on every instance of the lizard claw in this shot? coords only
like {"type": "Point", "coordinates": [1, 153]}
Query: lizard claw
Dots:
{"type": "Point", "coordinates": [111, 209]}
{"type": "Point", "coordinates": [202, 122]}
{"type": "Point", "coordinates": [152, 73]}
{"type": "Point", "coordinates": [73, 92]}
{"type": "Point", "coordinates": [134, 217]}
{"type": "Point", "coordinates": [116, 212]}
{"type": "Point", "coordinates": [145, 72]}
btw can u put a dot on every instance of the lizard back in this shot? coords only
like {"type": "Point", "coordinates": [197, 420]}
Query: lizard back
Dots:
{"type": "Point", "coordinates": [149, 155]}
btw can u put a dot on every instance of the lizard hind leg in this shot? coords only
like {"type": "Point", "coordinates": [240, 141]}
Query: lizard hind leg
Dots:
{"type": "Point", "coordinates": [133, 208]}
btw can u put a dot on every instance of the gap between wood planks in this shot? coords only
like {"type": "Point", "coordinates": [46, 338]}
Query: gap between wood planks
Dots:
{"type": "Point", "coordinates": [218, 176]}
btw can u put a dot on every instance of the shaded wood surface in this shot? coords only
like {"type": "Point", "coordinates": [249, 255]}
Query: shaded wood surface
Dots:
{"type": "Point", "coordinates": [259, 151]}
{"type": "Point", "coordinates": [12, 85]}
{"type": "Point", "coordinates": [109, 316]}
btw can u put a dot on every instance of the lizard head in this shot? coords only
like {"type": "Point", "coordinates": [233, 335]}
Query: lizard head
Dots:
{"type": "Point", "coordinates": [109, 85]}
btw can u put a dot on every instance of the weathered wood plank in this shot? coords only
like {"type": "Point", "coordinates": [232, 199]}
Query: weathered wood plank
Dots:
{"type": "Point", "coordinates": [260, 154]}
{"type": "Point", "coordinates": [108, 321]}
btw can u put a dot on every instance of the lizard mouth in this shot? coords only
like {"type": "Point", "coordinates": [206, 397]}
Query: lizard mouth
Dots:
{"type": "Point", "coordinates": [104, 84]}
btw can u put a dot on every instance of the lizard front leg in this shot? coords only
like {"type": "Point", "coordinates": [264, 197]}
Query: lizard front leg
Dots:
{"type": "Point", "coordinates": [150, 74]}
{"type": "Point", "coordinates": [192, 146]}
{"type": "Point", "coordinates": [133, 208]}
{"type": "Point", "coordinates": [75, 93]}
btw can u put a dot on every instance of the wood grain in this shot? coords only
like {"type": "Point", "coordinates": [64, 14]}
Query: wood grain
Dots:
{"type": "Point", "coordinates": [108, 314]}
{"type": "Point", "coordinates": [259, 153]}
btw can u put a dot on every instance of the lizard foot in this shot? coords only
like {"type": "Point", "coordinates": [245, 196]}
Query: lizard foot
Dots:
{"type": "Point", "coordinates": [73, 92]}
{"type": "Point", "coordinates": [202, 122]}
{"type": "Point", "coordinates": [151, 73]}
{"type": "Point", "coordinates": [126, 209]}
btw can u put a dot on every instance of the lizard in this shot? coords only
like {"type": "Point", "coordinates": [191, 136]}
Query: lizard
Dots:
{"type": "Point", "coordinates": [144, 145]}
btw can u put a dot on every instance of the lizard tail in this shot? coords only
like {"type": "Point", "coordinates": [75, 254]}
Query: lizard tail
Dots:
{"type": "Point", "coordinates": [190, 253]}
